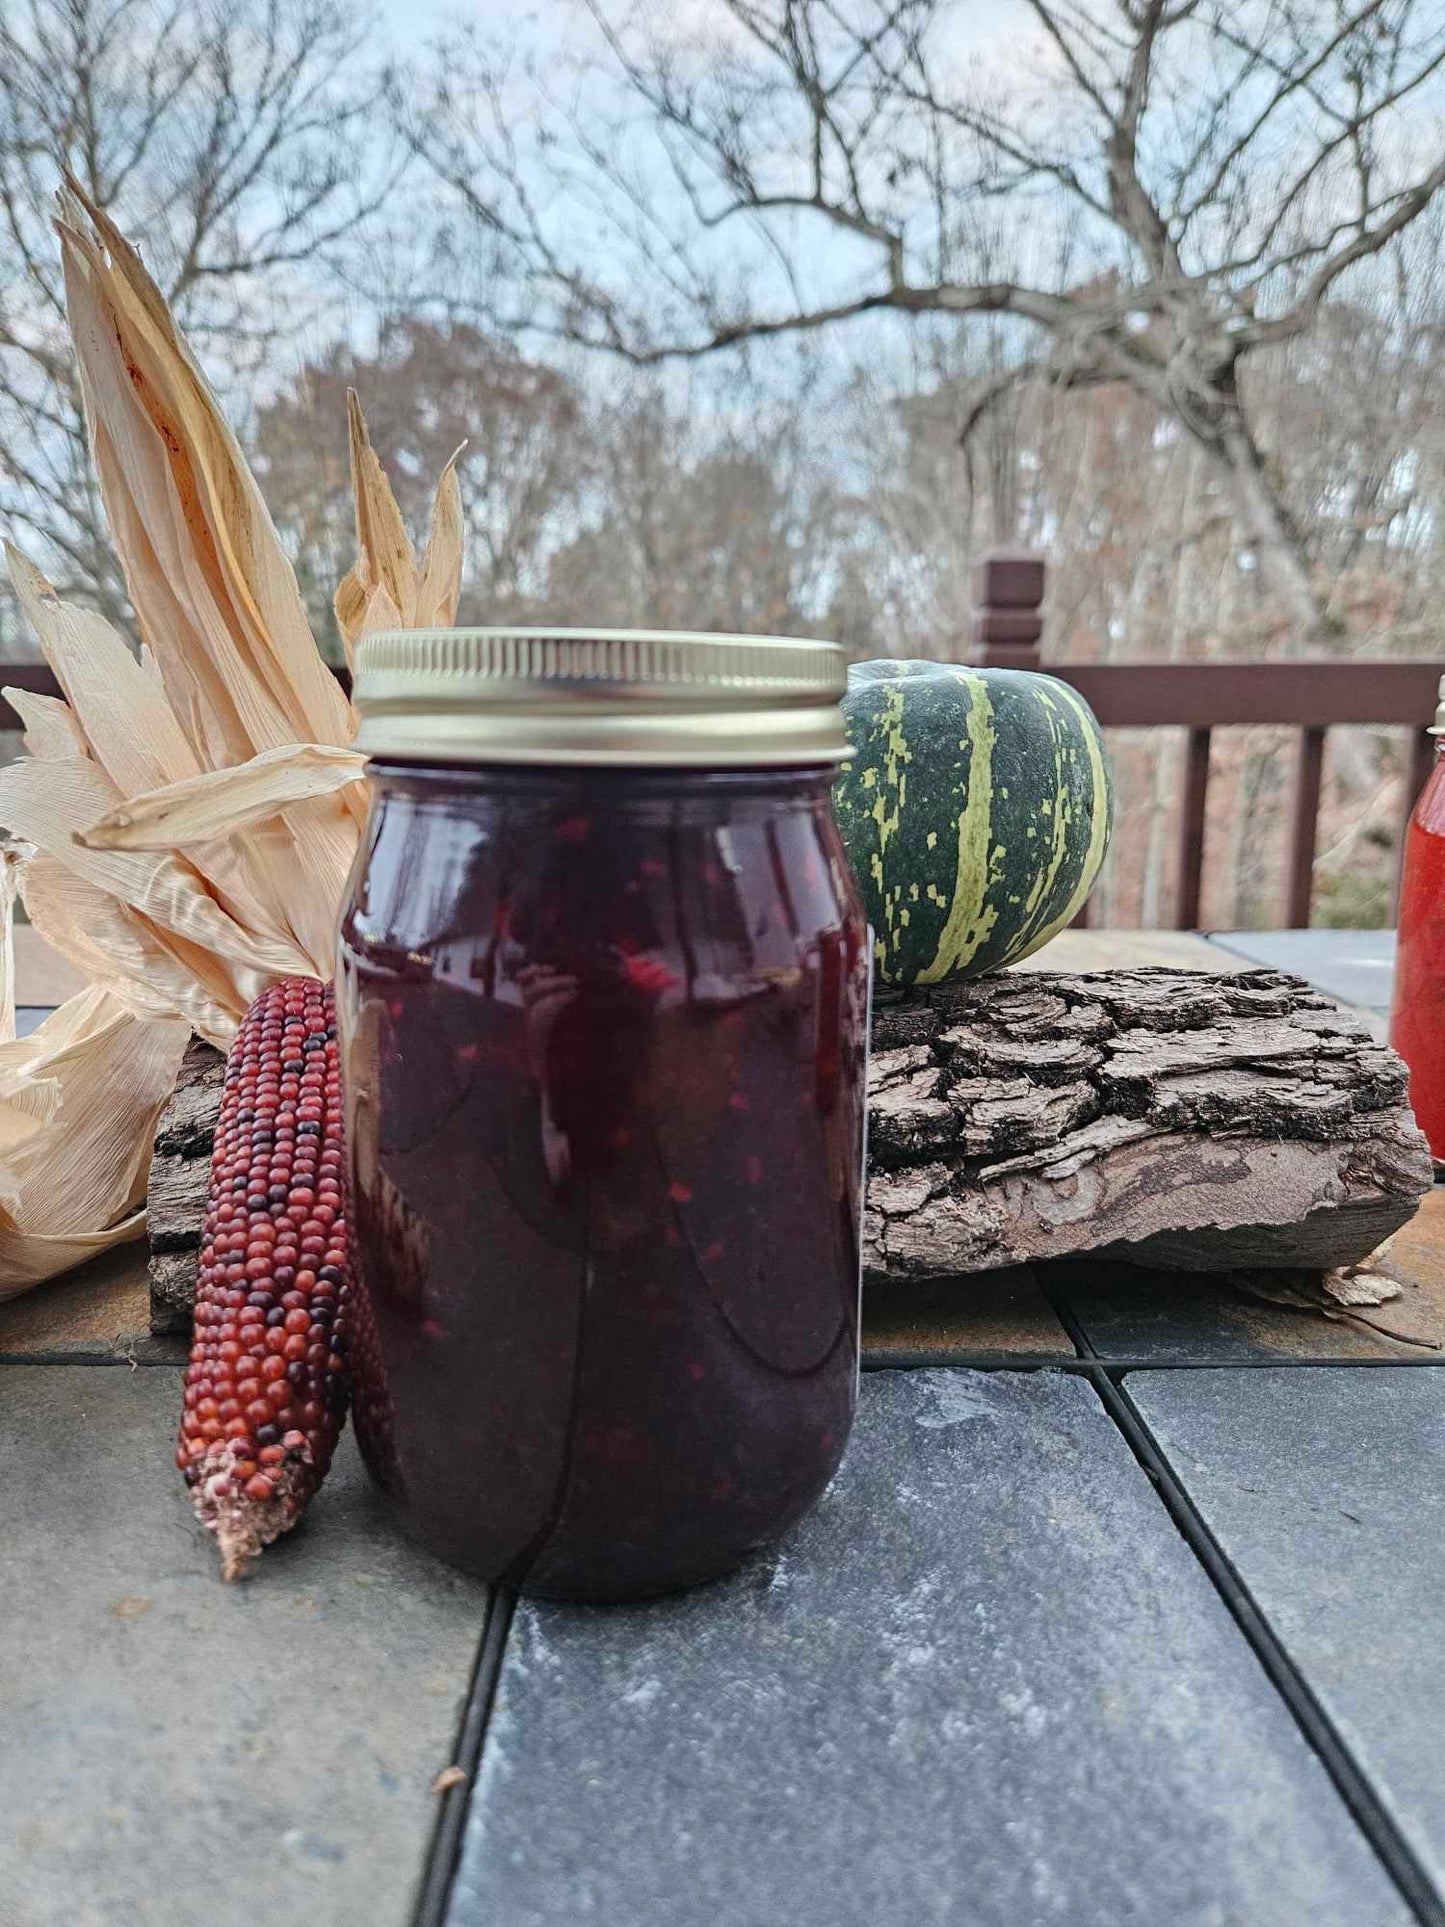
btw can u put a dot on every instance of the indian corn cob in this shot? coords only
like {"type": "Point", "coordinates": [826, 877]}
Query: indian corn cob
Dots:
{"type": "Point", "coordinates": [265, 1391]}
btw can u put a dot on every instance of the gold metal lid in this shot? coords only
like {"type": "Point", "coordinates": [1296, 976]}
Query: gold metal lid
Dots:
{"type": "Point", "coordinates": [622, 698]}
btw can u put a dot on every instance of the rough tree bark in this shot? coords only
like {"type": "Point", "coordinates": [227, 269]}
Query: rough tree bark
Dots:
{"type": "Point", "coordinates": [1172, 1118]}
{"type": "Point", "coordinates": [180, 1177]}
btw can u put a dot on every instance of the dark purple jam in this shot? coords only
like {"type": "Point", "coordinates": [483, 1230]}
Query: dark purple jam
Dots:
{"type": "Point", "coordinates": [604, 1038]}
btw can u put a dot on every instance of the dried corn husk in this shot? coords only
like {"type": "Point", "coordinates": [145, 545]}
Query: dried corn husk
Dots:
{"type": "Point", "coordinates": [78, 1103]}
{"type": "Point", "coordinates": [189, 820]}
{"type": "Point", "coordinates": [385, 588]}
{"type": "Point", "coordinates": [219, 803]}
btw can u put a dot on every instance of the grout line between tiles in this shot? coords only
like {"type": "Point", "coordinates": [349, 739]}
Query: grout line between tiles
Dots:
{"type": "Point", "coordinates": [87, 1359]}
{"type": "Point", "coordinates": [445, 1848]}
{"type": "Point", "coordinates": [880, 1359]}
{"type": "Point", "coordinates": [1117, 1367]}
{"type": "Point", "coordinates": [1319, 1731]}
{"type": "Point", "coordinates": [923, 1358]}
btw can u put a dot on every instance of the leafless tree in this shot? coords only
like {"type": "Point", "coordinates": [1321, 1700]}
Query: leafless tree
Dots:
{"type": "Point", "coordinates": [528, 466]}
{"type": "Point", "coordinates": [232, 141]}
{"type": "Point", "coordinates": [1209, 172]}
{"type": "Point", "coordinates": [616, 504]}
{"type": "Point", "coordinates": [704, 524]}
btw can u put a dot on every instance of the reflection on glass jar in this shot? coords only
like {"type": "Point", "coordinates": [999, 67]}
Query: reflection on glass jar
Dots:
{"type": "Point", "coordinates": [604, 1036]}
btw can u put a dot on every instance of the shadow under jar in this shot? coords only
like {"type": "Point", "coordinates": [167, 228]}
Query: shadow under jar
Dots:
{"type": "Point", "coordinates": [602, 998]}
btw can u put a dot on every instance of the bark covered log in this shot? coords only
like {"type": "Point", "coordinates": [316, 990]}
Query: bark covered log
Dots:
{"type": "Point", "coordinates": [1171, 1118]}
{"type": "Point", "coordinates": [180, 1177]}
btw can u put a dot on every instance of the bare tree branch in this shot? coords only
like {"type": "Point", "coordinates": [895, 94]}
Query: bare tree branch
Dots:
{"type": "Point", "coordinates": [1206, 148]}
{"type": "Point", "coordinates": [232, 141]}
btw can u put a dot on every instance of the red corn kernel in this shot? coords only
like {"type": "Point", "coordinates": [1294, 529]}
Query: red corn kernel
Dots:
{"type": "Point", "coordinates": [264, 1394]}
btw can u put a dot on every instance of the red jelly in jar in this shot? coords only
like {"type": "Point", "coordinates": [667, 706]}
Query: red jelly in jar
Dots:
{"type": "Point", "coordinates": [1417, 1019]}
{"type": "Point", "coordinates": [602, 1000]}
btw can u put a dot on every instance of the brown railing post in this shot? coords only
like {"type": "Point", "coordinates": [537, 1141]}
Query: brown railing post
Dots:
{"type": "Point", "coordinates": [1008, 594]}
{"type": "Point", "coordinates": [1008, 623]}
{"type": "Point", "coordinates": [1304, 827]}
{"type": "Point", "coordinates": [1191, 830]}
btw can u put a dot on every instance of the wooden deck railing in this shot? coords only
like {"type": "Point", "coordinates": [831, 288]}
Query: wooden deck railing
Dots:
{"type": "Point", "coordinates": [1311, 697]}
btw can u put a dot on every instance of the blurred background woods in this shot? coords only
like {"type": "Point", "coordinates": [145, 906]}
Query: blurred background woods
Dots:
{"type": "Point", "coordinates": [777, 314]}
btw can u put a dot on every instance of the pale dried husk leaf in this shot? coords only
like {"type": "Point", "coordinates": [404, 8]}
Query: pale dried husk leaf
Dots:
{"type": "Point", "coordinates": [124, 720]}
{"type": "Point", "coordinates": [222, 802]}
{"type": "Point", "coordinates": [135, 734]}
{"type": "Point", "coordinates": [51, 732]}
{"type": "Point", "coordinates": [214, 594]}
{"type": "Point", "coordinates": [121, 719]}
{"type": "Point", "coordinates": [50, 804]}
{"type": "Point", "coordinates": [11, 862]}
{"type": "Point", "coordinates": [440, 586]}
{"type": "Point", "coordinates": [382, 543]}
{"type": "Point", "coordinates": [79, 1099]}
{"type": "Point", "coordinates": [114, 946]}
{"type": "Point", "coordinates": [385, 588]}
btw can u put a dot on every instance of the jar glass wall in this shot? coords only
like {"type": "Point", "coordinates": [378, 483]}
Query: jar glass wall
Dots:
{"type": "Point", "coordinates": [604, 1037]}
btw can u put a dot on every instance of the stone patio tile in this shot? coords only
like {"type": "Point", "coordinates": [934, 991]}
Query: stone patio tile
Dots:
{"type": "Point", "coordinates": [1416, 1261]}
{"type": "Point", "coordinates": [1129, 1312]}
{"type": "Point", "coordinates": [1183, 1317]}
{"type": "Point", "coordinates": [1325, 1490]}
{"type": "Point", "coordinates": [176, 1751]}
{"type": "Point", "coordinates": [1356, 966]}
{"type": "Point", "coordinates": [994, 1314]}
{"type": "Point", "coordinates": [98, 1311]}
{"type": "Point", "coordinates": [985, 1682]}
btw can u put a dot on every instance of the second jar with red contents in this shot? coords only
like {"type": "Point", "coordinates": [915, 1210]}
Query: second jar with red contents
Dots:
{"type": "Point", "coordinates": [603, 1009]}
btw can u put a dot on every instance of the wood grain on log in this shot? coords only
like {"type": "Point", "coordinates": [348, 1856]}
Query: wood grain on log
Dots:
{"type": "Point", "coordinates": [1174, 1118]}
{"type": "Point", "coordinates": [1169, 1117]}
{"type": "Point", "coordinates": [180, 1176]}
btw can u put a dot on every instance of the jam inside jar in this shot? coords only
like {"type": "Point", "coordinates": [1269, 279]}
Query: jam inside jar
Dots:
{"type": "Point", "coordinates": [604, 1038]}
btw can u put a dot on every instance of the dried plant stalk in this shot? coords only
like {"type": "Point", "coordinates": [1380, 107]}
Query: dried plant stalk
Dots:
{"type": "Point", "coordinates": [385, 588]}
{"type": "Point", "coordinates": [188, 820]}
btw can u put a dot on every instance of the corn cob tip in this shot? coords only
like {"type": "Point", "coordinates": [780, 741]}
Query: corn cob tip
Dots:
{"type": "Point", "coordinates": [241, 1522]}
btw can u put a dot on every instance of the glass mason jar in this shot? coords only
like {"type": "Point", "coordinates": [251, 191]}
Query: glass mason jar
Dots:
{"type": "Point", "coordinates": [602, 1000]}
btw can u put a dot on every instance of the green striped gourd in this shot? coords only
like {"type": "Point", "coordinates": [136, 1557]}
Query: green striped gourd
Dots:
{"type": "Point", "coordinates": [976, 810]}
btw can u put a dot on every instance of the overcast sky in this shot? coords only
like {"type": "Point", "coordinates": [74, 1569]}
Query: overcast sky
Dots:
{"type": "Point", "coordinates": [982, 24]}
{"type": "Point", "coordinates": [415, 19]}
